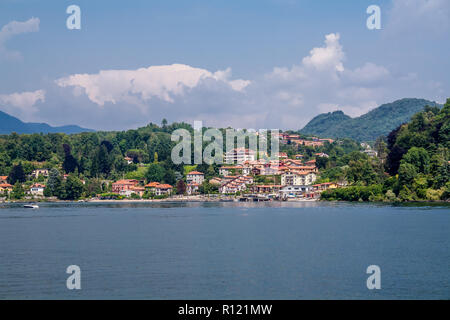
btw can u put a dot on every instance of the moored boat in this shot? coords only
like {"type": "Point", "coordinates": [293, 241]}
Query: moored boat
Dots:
{"type": "Point", "coordinates": [31, 206]}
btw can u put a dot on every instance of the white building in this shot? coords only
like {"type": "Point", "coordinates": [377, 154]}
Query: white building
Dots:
{"type": "Point", "coordinates": [192, 188]}
{"type": "Point", "coordinates": [163, 189]}
{"type": "Point", "coordinates": [298, 178]}
{"type": "Point", "coordinates": [230, 170]}
{"type": "Point", "coordinates": [239, 155]}
{"type": "Point", "coordinates": [195, 177]}
{"type": "Point", "coordinates": [294, 191]}
{"type": "Point", "coordinates": [38, 172]}
{"type": "Point", "coordinates": [37, 189]}
{"type": "Point", "coordinates": [235, 185]}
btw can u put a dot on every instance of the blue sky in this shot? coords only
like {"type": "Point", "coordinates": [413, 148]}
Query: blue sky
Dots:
{"type": "Point", "coordinates": [258, 64]}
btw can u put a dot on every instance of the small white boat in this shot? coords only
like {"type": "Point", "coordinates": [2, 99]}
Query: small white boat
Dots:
{"type": "Point", "coordinates": [31, 206]}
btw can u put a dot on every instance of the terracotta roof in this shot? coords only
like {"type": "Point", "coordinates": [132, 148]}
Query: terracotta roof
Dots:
{"type": "Point", "coordinates": [38, 185]}
{"type": "Point", "coordinates": [164, 186]}
{"type": "Point", "coordinates": [193, 184]}
{"type": "Point", "coordinates": [195, 173]}
{"type": "Point", "coordinates": [152, 184]}
{"type": "Point", "coordinates": [5, 185]}
{"type": "Point", "coordinates": [127, 181]}
{"type": "Point", "coordinates": [269, 186]}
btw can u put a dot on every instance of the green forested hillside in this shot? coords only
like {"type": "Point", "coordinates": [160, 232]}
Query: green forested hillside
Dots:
{"type": "Point", "coordinates": [368, 127]}
{"type": "Point", "coordinates": [413, 165]}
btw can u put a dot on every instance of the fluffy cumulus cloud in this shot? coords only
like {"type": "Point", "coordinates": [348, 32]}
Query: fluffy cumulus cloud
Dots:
{"type": "Point", "coordinates": [160, 82]}
{"type": "Point", "coordinates": [328, 57]}
{"type": "Point", "coordinates": [22, 104]}
{"type": "Point", "coordinates": [321, 83]}
{"type": "Point", "coordinates": [12, 29]}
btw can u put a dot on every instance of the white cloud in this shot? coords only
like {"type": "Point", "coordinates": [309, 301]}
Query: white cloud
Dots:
{"type": "Point", "coordinates": [14, 28]}
{"type": "Point", "coordinates": [138, 86]}
{"type": "Point", "coordinates": [22, 104]}
{"type": "Point", "coordinates": [328, 57]}
{"type": "Point", "coordinates": [321, 83]}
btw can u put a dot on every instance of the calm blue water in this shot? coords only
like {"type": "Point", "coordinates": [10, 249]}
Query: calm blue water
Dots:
{"type": "Point", "coordinates": [224, 251]}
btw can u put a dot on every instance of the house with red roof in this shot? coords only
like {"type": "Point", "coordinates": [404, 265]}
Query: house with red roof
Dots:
{"type": "Point", "coordinates": [195, 177]}
{"type": "Point", "coordinates": [37, 189]}
{"type": "Point", "coordinates": [324, 186]}
{"type": "Point", "coordinates": [192, 188]}
{"type": "Point", "coordinates": [235, 184]}
{"type": "Point", "coordinates": [296, 178]}
{"type": "Point", "coordinates": [124, 187]}
{"type": "Point", "coordinates": [163, 189]}
{"type": "Point", "coordinates": [5, 187]}
{"type": "Point", "coordinates": [128, 160]}
{"type": "Point", "coordinates": [266, 188]}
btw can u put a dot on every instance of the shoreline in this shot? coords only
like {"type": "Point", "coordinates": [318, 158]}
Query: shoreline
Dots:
{"type": "Point", "coordinates": [197, 199]}
{"type": "Point", "coordinates": [181, 200]}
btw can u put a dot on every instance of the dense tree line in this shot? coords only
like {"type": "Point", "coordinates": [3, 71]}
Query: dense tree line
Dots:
{"type": "Point", "coordinates": [413, 164]}
{"type": "Point", "coordinates": [91, 155]}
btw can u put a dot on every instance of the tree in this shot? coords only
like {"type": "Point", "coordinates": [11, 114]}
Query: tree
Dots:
{"type": "Point", "coordinates": [70, 163]}
{"type": "Point", "coordinates": [396, 152]}
{"type": "Point", "coordinates": [102, 160]}
{"type": "Point", "coordinates": [381, 148]}
{"type": "Point", "coordinates": [17, 174]}
{"type": "Point", "coordinates": [17, 192]}
{"type": "Point", "coordinates": [406, 174]}
{"type": "Point", "coordinates": [5, 163]}
{"type": "Point", "coordinates": [322, 162]}
{"type": "Point", "coordinates": [74, 188]}
{"type": "Point", "coordinates": [169, 176]}
{"type": "Point", "coordinates": [206, 188]}
{"type": "Point", "coordinates": [361, 171]}
{"type": "Point", "coordinates": [419, 158]}
{"type": "Point", "coordinates": [54, 184]}
{"type": "Point", "coordinates": [138, 155]}
{"type": "Point", "coordinates": [443, 175]}
{"type": "Point", "coordinates": [181, 187]}
{"type": "Point", "coordinates": [155, 172]}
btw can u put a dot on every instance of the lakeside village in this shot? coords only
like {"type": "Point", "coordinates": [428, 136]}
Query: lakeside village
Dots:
{"type": "Point", "coordinates": [409, 164]}
{"type": "Point", "coordinates": [247, 179]}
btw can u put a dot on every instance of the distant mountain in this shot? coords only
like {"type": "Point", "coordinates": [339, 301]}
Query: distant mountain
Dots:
{"type": "Point", "coordinates": [9, 124]}
{"type": "Point", "coordinates": [368, 127]}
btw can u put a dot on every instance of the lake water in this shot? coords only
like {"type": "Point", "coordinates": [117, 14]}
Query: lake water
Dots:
{"type": "Point", "coordinates": [224, 251]}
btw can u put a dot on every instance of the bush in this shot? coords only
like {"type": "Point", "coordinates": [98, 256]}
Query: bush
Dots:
{"type": "Point", "coordinates": [110, 196]}
{"type": "Point", "coordinates": [434, 195]}
{"type": "Point", "coordinates": [390, 196]}
{"type": "Point", "coordinates": [135, 196]}
{"type": "Point", "coordinates": [354, 193]}
{"type": "Point", "coordinates": [446, 194]}
{"type": "Point", "coordinates": [163, 196]}
{"type": "Point", "coordinates": [407, 195]}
